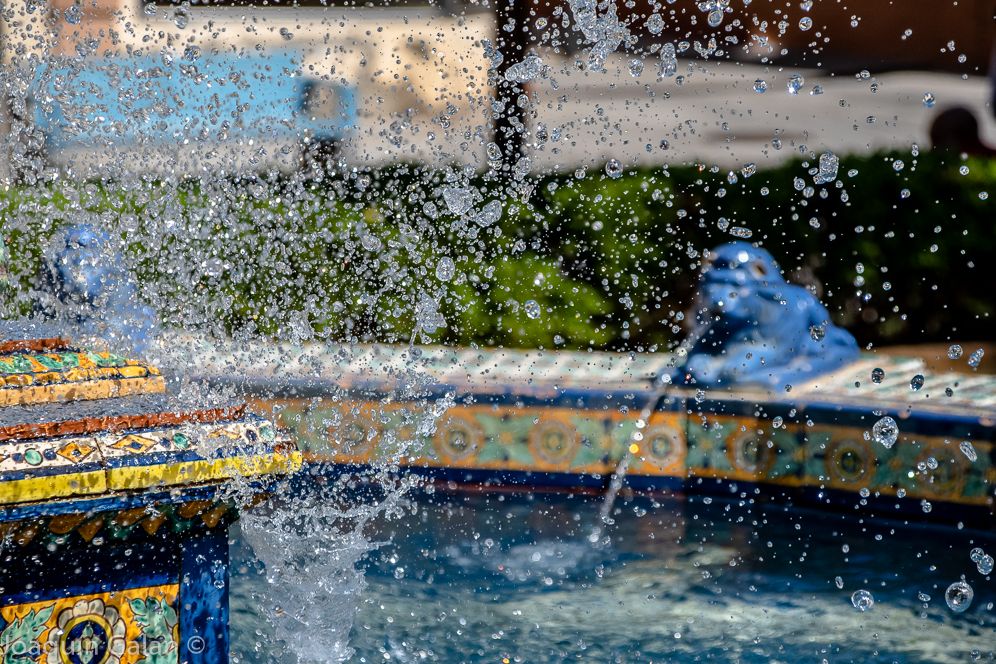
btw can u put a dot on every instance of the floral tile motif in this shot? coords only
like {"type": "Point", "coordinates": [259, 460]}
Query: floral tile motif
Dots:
{"type": "Point", "coordinates": [124, 627]}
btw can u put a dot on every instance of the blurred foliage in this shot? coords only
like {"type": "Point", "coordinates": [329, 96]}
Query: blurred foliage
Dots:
{"type": "Point", "coordinates": [898, 250]}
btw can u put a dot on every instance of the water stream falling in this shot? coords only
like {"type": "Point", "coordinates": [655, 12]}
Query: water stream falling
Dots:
{"type": "Point", "coordinates": [632, 448]}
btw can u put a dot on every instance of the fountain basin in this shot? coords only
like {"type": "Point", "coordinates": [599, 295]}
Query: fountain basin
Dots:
{"type": "Point", "coordinates": [542, 420]}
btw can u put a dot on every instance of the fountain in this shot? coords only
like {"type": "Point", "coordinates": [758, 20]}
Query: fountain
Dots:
{"type": "Point", "coordinates": [766, 394]}
{"type": "Point", "coordinates": [115, 501]}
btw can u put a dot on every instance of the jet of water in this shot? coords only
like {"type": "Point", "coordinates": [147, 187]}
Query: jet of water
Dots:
{"type": "Point", "coordinates": [619, 475]}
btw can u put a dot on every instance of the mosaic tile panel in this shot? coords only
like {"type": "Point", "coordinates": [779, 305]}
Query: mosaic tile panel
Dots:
{"type": "Point", "coordinates": [592, 442]}
{"type": "Point", "coordinates": [28, 378]}
{"type": "Point", "coordinates": [123, 627]}
{"type": "Point", "coordinates": [131, 459]}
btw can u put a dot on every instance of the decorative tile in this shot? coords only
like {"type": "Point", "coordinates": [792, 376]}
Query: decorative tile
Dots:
{"type": "Point", "coordinates": [192, 453]}
{"type": "Point", "coordinates": [124, 627]}
{"type": "Point", "coordinates": [133, 443]}
{"type": "Point", "coordinates": [30, 378]}
{"type": "Point", "coordinates": [674, 444]}
{"type": "Point", "coordinates": [76, 451]}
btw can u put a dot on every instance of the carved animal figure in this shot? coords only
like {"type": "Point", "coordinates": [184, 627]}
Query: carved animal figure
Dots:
{"type": "Point", "coordinates": [753, 327]}
{"type": "Point", "coordinates": [90, 289]}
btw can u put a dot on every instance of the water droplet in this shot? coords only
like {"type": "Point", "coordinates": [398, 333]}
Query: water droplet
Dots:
{"type": "Point", "coordinates": [525, 71]}
{"type": "Point", "coordinates": [399, 572]}
{"type": "Point", "coordinates": [73, 14]}
{"type": "Point", "coordinates": [968, 450]}
{"type": "Point", "coordinates": [776, 422]}
{"type": "Point", "coordinates": [532, 309]}
{"type": "Point", "coordinates": [795, 83]}
{"type": "Point", "coordinates": [817, 90]}
{"type": "Point", "coordinates": [760, 86]}
{"type": "Point", "coordinates": [985, 565]}
{"type": "Point", "coordinates": [655, 24]}
{"type": "Point", "coordinates": [862, 600]}
{"type": "Point", "coordinates": [805, 23]}
{"type": "Point", "coordinates": [458, 199]}
{"type": "Point", "coordinates": [817, 332]}
{"type": "Point", "coordinates": [489, 214]}
{"type": "Point", "coordinates": [954, 351]}
{"type": "Point", "coordinates": [975, 359]}
{"type": "Point", "coordinates": [877, 375]}
{"type": "Point", "coordinates": [916, 382]}
{"type": "Point", "coordinates": [286, 34]}
{"type": "Point", "coordinates": [715, 18]}
{"type": "Point", "coordinates": [928, 99]}
{"type": "Point", "coordinates": [898, 165]}
{"type": "Point", "coordinates": [741, 232]}
{"type": "Point", "coordinates": [975, 555]}
{"type": "Point", "coordinates": [371, 242]}
{"type": "Point", "coordinates": [959, 596]}
{"type": "Point", "coordinates": [829, 163]}
{"type": "Point", "coordinates": [181, 17]}
{"type": "Point", "coordinates": [636, 67]}
{"type": "Point", "coordinates": [839, 582]}
{"type": "Point", "coordinates": [923, 597]}
{"type": "Point", "coordinates": [748, 169]}
{"type": "Point", "coordinates": [613, 168]}
{"type": "Point", "coordinates": [445, 269]}
{"type": "Point", "coordinates": [669, 61]}
{"type": "Point", "coordinates": [885, 432]}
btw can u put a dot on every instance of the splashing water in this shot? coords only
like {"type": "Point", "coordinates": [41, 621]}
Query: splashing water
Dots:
{"type": "Point", "coordinates": [522, 72]}
{"type": "Point", "coordinates": [604, 32]}
{"type": "Point", "coordinates": [313, 585]}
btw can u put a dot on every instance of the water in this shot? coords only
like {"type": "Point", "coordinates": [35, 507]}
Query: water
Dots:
{"type": "Point", "coordinates": [486, 577]}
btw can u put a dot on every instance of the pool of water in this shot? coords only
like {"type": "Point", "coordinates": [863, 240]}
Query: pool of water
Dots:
{"type": "Point", "coordinates": [468, 578]}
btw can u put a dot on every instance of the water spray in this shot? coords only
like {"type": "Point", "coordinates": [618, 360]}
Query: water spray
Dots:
{"type": "Point", "coordinates": [632, 448]}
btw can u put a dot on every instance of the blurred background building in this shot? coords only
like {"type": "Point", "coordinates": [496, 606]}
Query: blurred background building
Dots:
{"type": "Point", "coordinates": [409, 81]}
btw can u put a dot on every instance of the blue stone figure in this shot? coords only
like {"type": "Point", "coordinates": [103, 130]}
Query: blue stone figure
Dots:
{"type": "Point", "coordinates": [754, 328]}
{"type": "Point", "coordinates": [84, 273]}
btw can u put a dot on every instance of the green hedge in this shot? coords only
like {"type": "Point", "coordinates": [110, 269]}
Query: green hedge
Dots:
{"type": "Point", "coordinates": [610, 263]}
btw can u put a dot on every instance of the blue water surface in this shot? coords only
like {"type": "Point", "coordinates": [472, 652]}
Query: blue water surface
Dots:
{"type": "Point", "coordinates": [503, 577]}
